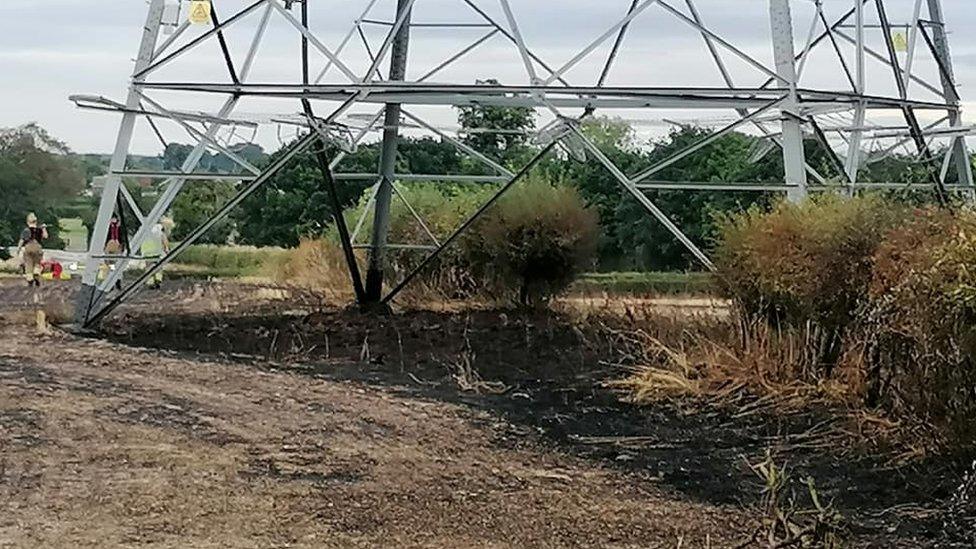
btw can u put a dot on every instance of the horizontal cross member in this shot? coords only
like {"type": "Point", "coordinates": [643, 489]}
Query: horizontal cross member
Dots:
{"type": "Point", "coordinates": [424, 177]}
{"type": "Point", "coordinates": [186, 175]}
{"type": "Point", "coordinates": [547, 96]}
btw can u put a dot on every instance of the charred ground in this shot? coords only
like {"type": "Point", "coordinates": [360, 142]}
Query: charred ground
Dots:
{"type": "Point", "coordinates": [524, 387]}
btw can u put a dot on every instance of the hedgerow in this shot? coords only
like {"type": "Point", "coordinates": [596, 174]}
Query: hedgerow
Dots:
{"type": "Point", "coordinates": [887, 292]}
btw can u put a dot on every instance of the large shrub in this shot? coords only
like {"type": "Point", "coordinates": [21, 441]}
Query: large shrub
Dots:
{"type": "Point", "coordinates": [534, 242]}
{"type": "Point", "coordinates": [442, 208]}
{"type": "Point", "coordinates": [805, 265]}
{"type": "Point", "coordinates": [39, 175]}
{"type": "Point", "coordinates": [888, 292]}
{"type": "Point", "coordinates": [919, 332]}
{"type": "Point", "coordinates": [196, 204]}
{"type": "Point", "coordinates": [528, 247]}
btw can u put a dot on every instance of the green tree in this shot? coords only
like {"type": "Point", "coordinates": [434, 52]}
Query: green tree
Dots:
{"type": "Point", "coordinates": [37, 174]}
{"type": "Point", "coordinates": [598, 187]}
{"type": "Point", "coordinates": [428, 156]}
{"type": "Point", "coordinates": [221, 163]}
{"type": "Point", "coordinates": [632, 238]}
{"type": "Point", "coordinates": [726, 160]}
{"type": "Point", "coordinates": [296, 203]}
{"type": "Point", "coordinates": [501, 133]}
{"type": "Point", "coordinates": [175, 154]}
{"type": "Point", "coordinates": [199, 200]}
{"type": "Point", "coordinates": [610, 133]}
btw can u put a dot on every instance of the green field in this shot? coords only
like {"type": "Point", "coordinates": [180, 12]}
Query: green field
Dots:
{"type": "Point", "coordinates": [74, 234]}
{"type": "Point", "coordinates": [645, 283]}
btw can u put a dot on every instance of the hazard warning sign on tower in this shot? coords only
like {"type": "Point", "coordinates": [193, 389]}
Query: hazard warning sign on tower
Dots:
{"type": "Point", "coordinates": [200, 12]}
{"type": "Point", "coordinates": [900, 41]}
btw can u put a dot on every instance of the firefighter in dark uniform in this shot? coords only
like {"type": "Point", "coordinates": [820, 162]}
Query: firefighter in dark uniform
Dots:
{"type": "Point", "coordinates": [32, 250]}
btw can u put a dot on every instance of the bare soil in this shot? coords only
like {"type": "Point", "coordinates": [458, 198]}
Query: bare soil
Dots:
{"type": "Point", "coordinates": [223, 415]}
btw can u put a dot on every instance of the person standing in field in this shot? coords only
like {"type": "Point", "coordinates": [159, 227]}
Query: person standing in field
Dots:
{"type": "Point", "coordinates": [113, 245]}
{"type": "Point", "coordinates": [155, 246]}
{"type": "Point", "coordinates": [32, 250]}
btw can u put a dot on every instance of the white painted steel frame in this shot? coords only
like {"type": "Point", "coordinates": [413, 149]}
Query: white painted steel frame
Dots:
{"type": "Point", "coordinates": [797, 105]}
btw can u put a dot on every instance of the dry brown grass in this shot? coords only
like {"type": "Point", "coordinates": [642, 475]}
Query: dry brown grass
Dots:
{"type": "Point", "coordinates": [318, 265]}
{"type": "Point", "coordinates": [711, 356]}
{"type": "Point", "coordinates": [703, 361]}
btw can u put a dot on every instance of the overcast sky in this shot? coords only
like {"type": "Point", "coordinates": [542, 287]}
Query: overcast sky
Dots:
{"type": "Point", "coordinates": [53, 48]}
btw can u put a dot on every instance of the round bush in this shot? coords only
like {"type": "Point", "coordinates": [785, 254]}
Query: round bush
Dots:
{"type": "Point", "coordinates": [526, 248]}
{"type": "Point", "coordinates": [533, 243]}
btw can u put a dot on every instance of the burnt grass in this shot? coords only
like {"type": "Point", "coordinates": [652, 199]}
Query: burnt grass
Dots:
{"type": "Point", "coordinates": [553, 372]}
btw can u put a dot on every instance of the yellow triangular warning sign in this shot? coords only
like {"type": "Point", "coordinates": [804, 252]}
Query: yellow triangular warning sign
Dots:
{"type": "Point", "coordinates": [899, 40]}
{"type": "Point", "coordinates": [200, 12]}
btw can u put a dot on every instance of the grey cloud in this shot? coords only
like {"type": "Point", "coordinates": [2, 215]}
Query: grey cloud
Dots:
{"type": "Point", "coordinates": [73, 46]}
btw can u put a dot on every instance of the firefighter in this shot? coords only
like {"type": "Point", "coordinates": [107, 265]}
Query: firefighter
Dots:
{"type": "Point", "coordinates": [32, 250]}
{"type": "Point", "coordinates": [155, 246]}
{"type": "Point", "coordinates": [113, 244]}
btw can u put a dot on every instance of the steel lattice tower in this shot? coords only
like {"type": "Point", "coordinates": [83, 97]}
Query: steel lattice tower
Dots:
{"type": "Point", "coordinates": [343, 92]}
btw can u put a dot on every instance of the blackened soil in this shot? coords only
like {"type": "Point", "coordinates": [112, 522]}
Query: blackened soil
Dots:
{"type": "Point", "coordinates": [548, 379]}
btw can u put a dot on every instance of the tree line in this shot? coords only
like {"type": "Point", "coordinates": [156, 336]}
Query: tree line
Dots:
{"type": "Point", "coordinates": [40, 174]}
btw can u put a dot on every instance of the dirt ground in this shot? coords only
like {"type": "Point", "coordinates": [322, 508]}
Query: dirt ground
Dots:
{"type": "Point", "coordinates": [215, 415]}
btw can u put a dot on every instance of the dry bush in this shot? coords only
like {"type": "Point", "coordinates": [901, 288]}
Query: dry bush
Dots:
{"type": "Point", "coordinates": [869, 301]}
{"type": "Point", "coordinates": [528, 247]}
{"type": "Point", "coordinates": [804, 265]}
{"type": "Point", "coordinates": [917, 336]}
{"type": "Point", "coordinates": [533, 243]}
